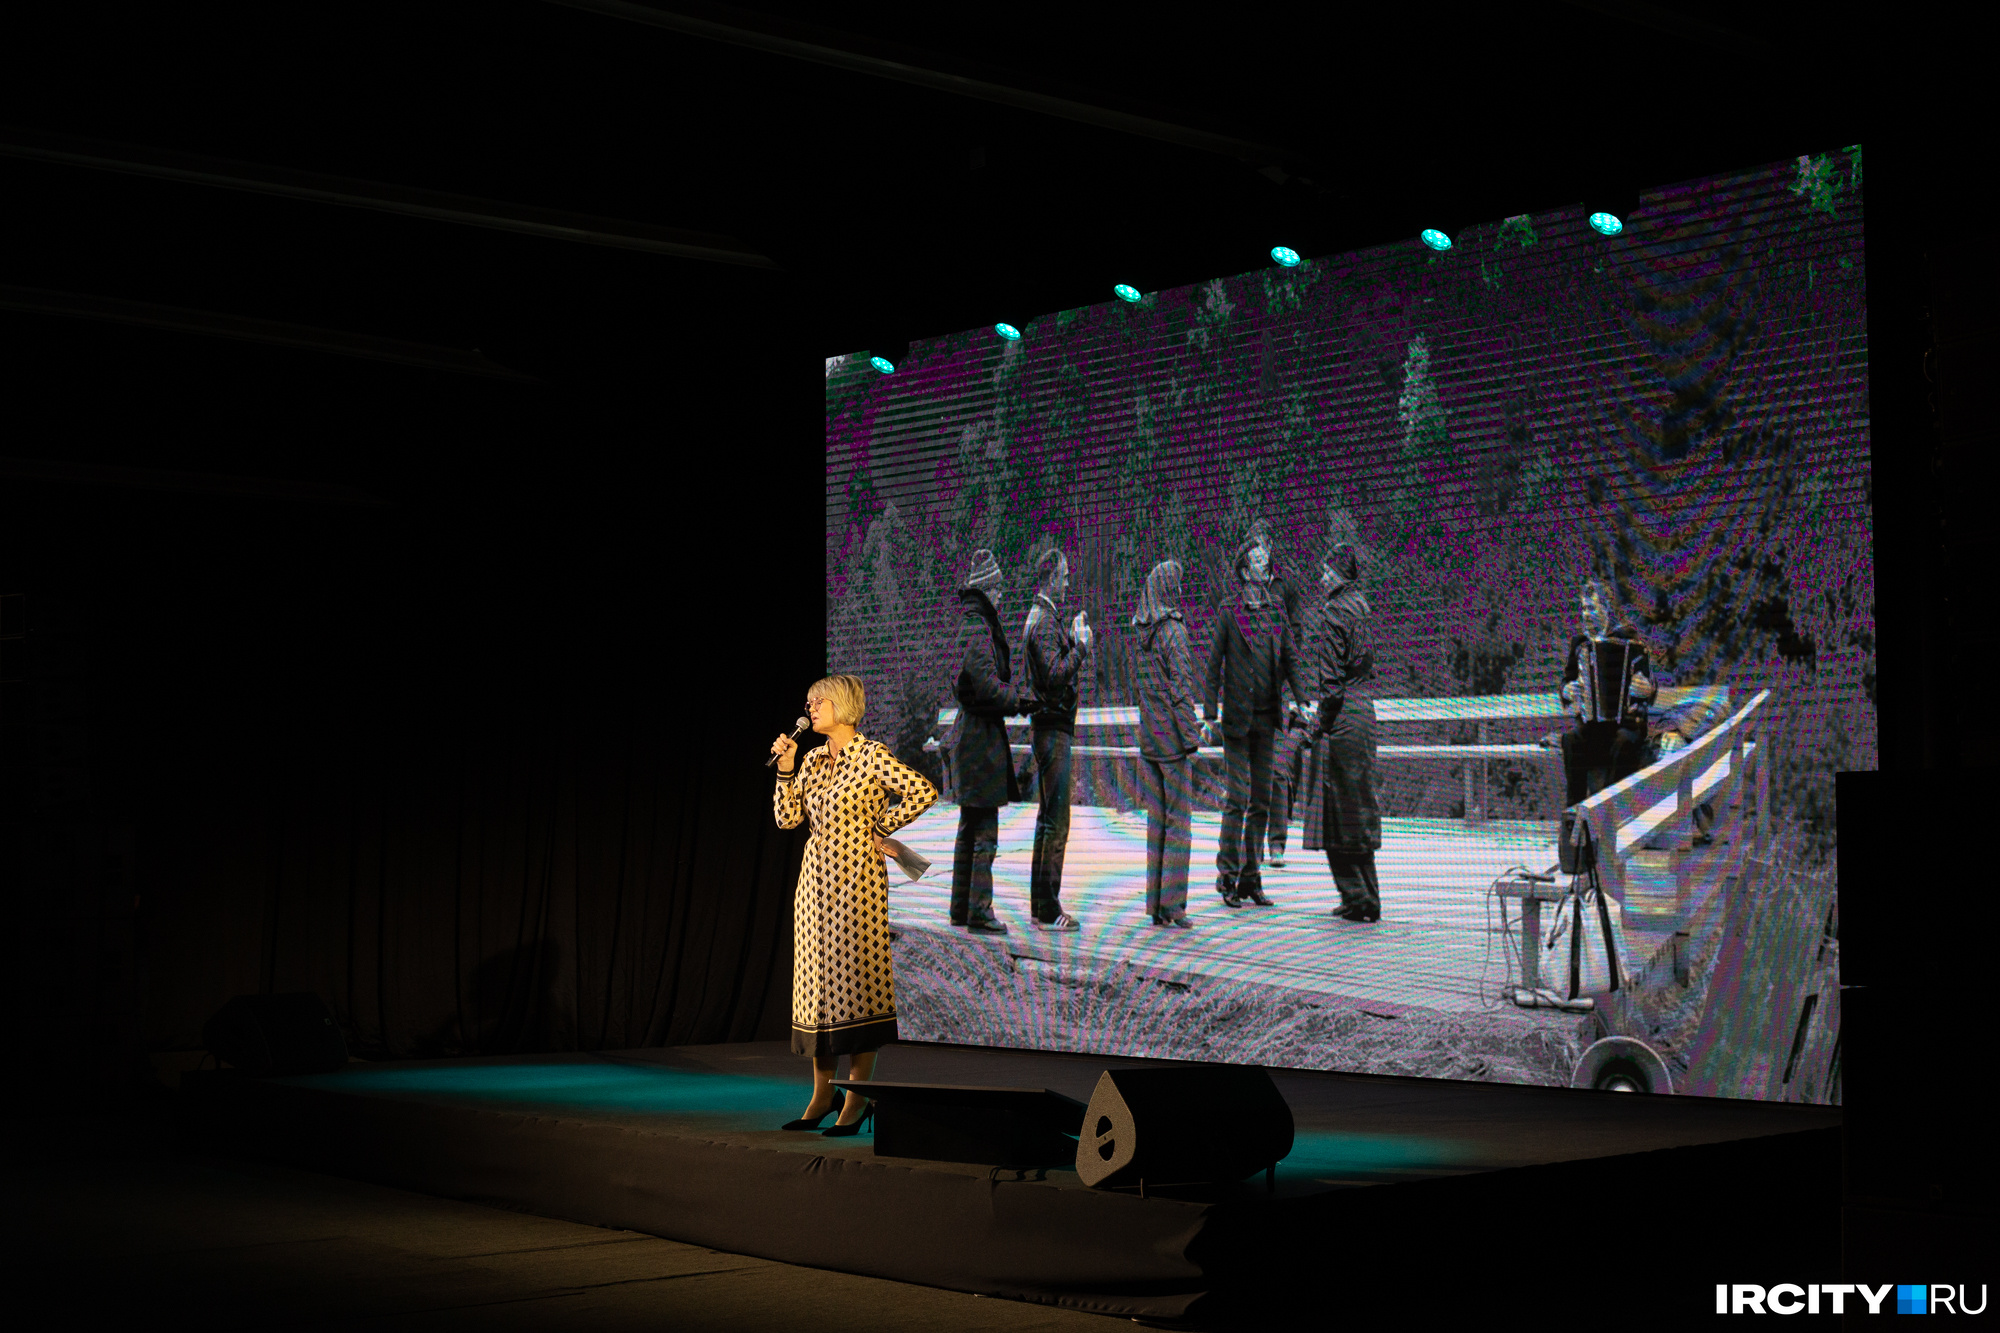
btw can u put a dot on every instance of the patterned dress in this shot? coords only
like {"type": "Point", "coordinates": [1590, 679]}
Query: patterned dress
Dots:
{"type": "Point", "coordinates": [843, 995]}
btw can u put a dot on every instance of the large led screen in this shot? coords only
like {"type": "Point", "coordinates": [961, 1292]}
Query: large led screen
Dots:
{"type": "Point", "coordinates": [1415, 661]}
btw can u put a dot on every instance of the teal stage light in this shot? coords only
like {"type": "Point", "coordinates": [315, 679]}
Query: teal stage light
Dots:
{"type": "Point", "coordinates": [1285, 255]}
{"type": "Point", "coordinates": [1125, 291]}
{"type": "Point", "coordinates": [1434, 238]}
{"type": "Point", "coordinates": [883, 364]}
{"type": "Point", "coordinates": [1606, 224]}
{"type": "Point", "coordinates": [1008, 331]}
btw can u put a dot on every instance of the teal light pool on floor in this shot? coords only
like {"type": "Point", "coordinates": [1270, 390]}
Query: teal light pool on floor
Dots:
{"type": "Point", "coordinates": [745, 1102]}
{"type": "Point", "coordinates": [1351, 1156]}
{"type": "Point", "coordinates": [760, 1103]}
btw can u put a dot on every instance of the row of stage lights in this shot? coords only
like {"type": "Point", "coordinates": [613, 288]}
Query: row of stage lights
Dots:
{"type": "Point", "coordinates": [1601, 222]}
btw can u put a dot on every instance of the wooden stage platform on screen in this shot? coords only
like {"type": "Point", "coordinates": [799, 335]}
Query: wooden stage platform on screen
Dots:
{"type": "Point", "coordinates": [1432, 989]}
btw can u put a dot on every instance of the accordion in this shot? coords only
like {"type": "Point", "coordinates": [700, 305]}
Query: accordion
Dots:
{"type": "Point", "coordinates": [1604, 671]}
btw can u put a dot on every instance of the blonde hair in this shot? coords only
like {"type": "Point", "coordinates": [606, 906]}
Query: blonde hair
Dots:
{"type": "Point", "coordinates": [849, 700]}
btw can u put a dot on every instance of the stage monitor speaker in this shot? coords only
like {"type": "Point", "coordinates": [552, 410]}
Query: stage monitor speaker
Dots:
{"type": "Point", "coordinates": [1190, 1124]}
{"type": "Point", "coordinates": [940, 1122]}
{"type": "Point", "coordinates": [1622, 1064]}
{"type": "Point", "coordinates": [276, 1034]}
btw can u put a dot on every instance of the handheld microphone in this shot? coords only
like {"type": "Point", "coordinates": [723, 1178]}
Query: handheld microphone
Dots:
{"type": "Point", "coordinates": [798, 727]}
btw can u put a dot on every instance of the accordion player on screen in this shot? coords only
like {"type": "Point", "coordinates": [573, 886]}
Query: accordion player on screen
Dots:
{"type": "Point", "coordinates": [1607, 683]}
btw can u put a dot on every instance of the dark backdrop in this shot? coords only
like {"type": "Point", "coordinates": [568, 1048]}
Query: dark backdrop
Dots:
{"type": "Point", "coordinates": [451, 710]}
{"type": "Point", "coordinates": [466, 741]}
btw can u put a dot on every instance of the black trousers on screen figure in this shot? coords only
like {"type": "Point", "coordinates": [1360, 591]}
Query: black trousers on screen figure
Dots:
{"type": "Point", "coordinates": [972, 863]}
{"type": "Point", "coordinates": [1052, 780]}
{"type": "Point", "coordinates": [1351, 823]}
{"type": "Point", "coordinates": [1288, 758]}
{"type": "Point", "coordinates": [1354, 876]}
{"type": "Point", "coordinates": [1246, 807]}
{"type": "Point", "coordinates": [1169, 794]}
{"type": "Point", "coordinates": [1595, 755]}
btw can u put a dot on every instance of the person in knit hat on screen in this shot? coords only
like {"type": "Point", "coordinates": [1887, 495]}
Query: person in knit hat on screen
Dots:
{"type": "Point", "coordinates": [982, 763]}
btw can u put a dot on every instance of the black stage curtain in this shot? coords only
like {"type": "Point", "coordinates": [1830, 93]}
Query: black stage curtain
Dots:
{"type": "Point", "coordinates": [479, 893]}
{"type": "Point", "coordinates": [481, 765]}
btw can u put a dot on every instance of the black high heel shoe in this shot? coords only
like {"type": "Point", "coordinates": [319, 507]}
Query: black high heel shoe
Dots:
{"type": "Point", "coordinates": [812, 1122]}
{"type": "Point", "coordinates": [840, 1131]}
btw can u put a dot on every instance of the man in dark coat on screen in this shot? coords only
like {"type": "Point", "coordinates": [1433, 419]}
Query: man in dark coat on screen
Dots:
{"type": "Point", "coordinates": [982, 763]}
{"type": "Point", "coordinates": [1055, 653]}
{"type": "Point", "coordinates": [1249, 664]}
{"type": "Point", "coordinates": [1339, 812]}
{"type": "Point", "coordinates": [1289, 742]}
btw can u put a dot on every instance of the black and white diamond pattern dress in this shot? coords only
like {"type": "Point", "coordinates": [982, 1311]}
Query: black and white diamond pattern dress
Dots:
{"type": "Point", "coordinates": [843, 995]}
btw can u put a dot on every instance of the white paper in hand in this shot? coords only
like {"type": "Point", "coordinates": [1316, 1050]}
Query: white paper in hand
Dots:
{"type": "Point", "coordinates": [913, 865]}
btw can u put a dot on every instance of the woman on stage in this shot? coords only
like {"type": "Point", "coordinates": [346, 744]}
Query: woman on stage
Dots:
{"type": "Point", "coordinates": [843, 995]}
{"type": "Point", "coordinates": [1341, 816]}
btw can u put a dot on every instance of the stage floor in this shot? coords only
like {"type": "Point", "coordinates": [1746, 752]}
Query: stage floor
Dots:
{"type": "Point", "coordinates": [683, 1143]}
{"type": "Point", "coordinates": [1351, 1130]}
